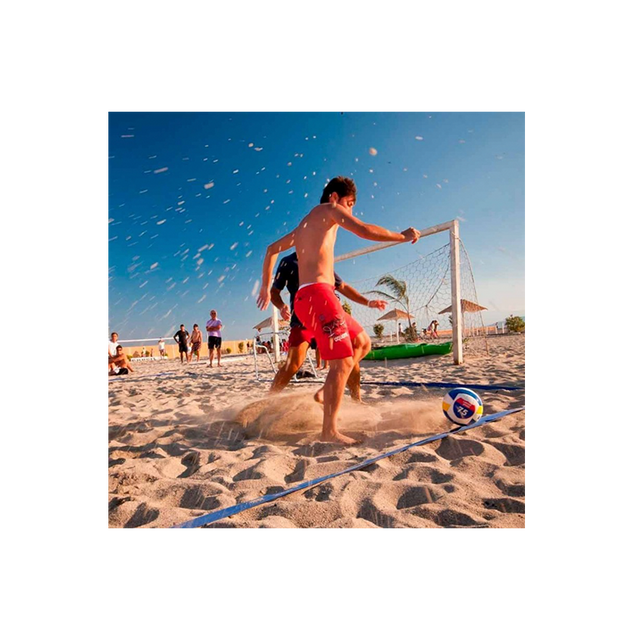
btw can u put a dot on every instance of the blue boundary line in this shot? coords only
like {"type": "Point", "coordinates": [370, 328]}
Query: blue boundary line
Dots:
{"type": "Point", "coordinates": [214, 516]}
{"type": "Point", "coordinates": [437, 385]}
{"type": "Point", "coordinates": [446, 385]}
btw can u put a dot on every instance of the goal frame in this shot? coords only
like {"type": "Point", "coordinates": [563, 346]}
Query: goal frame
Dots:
{"type": "Point", "coordinates": [456, 307]}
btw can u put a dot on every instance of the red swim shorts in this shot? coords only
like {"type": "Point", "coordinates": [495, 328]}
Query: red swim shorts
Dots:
{"type": "Point", "coordinates": [300, 335]}
{"type": "Point", "coordinates": [319, 310]}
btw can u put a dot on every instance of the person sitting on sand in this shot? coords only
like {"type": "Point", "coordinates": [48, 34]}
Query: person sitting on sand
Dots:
{"type": "Point", "coordinates": [433, 329]}
{"type": "Point", "coordinates": [119, 363]}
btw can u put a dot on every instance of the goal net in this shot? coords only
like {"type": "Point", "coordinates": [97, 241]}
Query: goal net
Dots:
{"type": "Point", "coordinates": [421, 292]}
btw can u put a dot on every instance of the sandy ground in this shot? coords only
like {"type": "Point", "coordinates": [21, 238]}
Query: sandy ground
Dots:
{"type": "Point", "coordinates": [186, 439]}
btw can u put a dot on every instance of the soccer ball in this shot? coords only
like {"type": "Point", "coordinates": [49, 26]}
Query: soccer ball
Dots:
{"type": "Point", "coordinates": [462, 406]}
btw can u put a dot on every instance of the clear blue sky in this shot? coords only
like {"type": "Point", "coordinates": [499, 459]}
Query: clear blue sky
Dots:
{"type": "Point", "coordinates": [195, 198]}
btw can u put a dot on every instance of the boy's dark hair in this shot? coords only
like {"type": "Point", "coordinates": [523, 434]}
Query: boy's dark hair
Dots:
{"type": "Point", "coordinates": [195, 325]}
{"type": "Point", "coordinates": [342, 186]}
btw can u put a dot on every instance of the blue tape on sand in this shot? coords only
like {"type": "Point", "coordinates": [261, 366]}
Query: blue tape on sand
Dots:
{"type": "Point", "coordinates": [446, 385]}
{"type": "Point", "coordinates": [214, 516]}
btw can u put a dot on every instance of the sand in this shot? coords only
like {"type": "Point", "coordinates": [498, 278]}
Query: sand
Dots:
{"type": "Point", "coordinates": [187, 439]}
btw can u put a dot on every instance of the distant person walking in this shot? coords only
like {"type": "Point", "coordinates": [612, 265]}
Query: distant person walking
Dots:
{"type": "Point", "coordinates": [214, 333]}
{"type": "Point", "coordinates": [196, 342]}
{"type": "Point", "coordinates": [161, 348]}
{"type": "Point", "coordinates": [182, 338]}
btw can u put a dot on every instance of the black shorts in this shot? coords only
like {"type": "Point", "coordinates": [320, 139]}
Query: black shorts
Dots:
{"type": "Point", "coordinates": [182, 347]}
{"type": "Point", "coordinates": [215, 342]}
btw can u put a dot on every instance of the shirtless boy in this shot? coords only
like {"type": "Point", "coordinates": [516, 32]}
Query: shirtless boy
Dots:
{"type": "Point", "coordinates": [335, 331]}
{"type": "Point", "coordinates": [119, 364]}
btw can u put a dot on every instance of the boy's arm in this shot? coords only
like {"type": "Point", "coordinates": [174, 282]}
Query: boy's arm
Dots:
{"type": "Point", "coordinates": [349, 292]}
{"type": "Point", "coordinates": [273, 250]}
{"type": "Point", "coordinates": [280, 304]}
{"type": "Point", "coordinates": [341, 216]}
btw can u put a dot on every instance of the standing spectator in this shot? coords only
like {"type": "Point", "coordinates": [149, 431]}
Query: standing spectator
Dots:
{"type": "Point", "coordinates": [161, 347]}
{"type": "Point", "coordinates": [214, 333]}
{"type": "Point", "coordinates": [113, 345]}
{"type": "Point", "coordinates": [196, 342]}
{"type": "Point", "coordinates": [182, 338]}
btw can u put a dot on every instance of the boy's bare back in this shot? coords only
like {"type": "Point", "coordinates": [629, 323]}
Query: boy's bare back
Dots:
{"type": "Point", "coordinates": [315, 238]}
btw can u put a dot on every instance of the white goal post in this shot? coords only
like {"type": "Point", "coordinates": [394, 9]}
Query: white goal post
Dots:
{"type": "Point", "coordinates": [454, 276]}
{"type": "Point", "coordinates": [456, 310]}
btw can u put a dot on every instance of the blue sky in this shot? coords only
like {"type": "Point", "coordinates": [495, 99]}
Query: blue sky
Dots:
{"type": "Point", "coordinates": [195, 198]}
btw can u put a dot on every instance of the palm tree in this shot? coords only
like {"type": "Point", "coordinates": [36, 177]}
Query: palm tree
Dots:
{"type": "Point", "coordinates": [399, 290]}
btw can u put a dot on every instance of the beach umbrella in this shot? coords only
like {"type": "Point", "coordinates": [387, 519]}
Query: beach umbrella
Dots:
{"type": "Point", "coordinates": [268, 322]}
{"type": "Point", "coordinates": [467, 307]}
{"type": "Point", "coordinates": [396, 314]}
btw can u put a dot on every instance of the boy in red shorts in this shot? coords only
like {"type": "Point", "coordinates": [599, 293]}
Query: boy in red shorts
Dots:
{"type": "Point", "coordinates": [300, 338]}
{"type": "Point", "coordinates": [316, 304]}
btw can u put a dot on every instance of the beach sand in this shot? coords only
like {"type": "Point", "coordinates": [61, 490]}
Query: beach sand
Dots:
{"type": "Point", "coordinates": [186, 439]}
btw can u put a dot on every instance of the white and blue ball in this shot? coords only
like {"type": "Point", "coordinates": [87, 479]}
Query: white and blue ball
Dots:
{"type": "Point", "coordinates": [462, 406]}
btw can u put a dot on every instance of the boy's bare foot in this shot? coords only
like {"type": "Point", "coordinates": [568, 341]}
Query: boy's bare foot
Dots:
{"type": "Point", "coordinates": [339, 438]}
{"type": "Point", "coordinates": [319, 396]}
